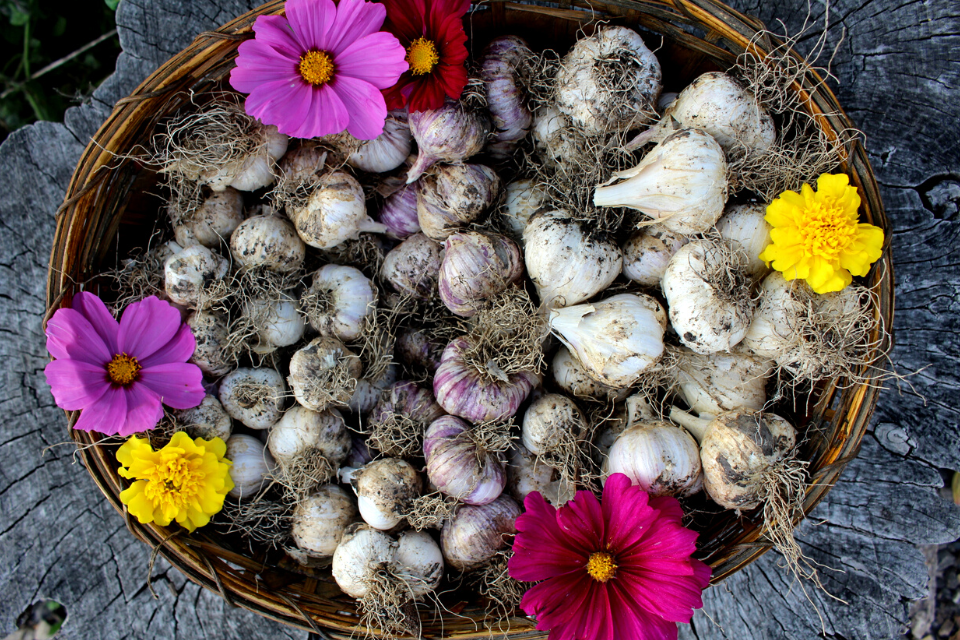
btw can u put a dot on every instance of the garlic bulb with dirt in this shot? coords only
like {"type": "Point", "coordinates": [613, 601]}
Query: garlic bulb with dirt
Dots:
{"type": "Point", "coordinates": [614, 339]}
{"type": "Point", "coordinates": [267, 241]}
{"type": "Point", "coordinates": [255, 397]}
{"type": "Point", "coordinates": [335, 213]}
{"type": "Point", "coordinates": [647, 252]}
{"type": "Point", "coordinates": [418, 349]}
{"type": "Point", "coordinates": [476, 533]}
{"type": "Point", "coordinates": [506, 97]}
{"type": "Point", "coordinates": [338, 301]}
{"type": "Point", "coordinates": [745, 225]}
{"type": "Point", "coordinates": [188, 272]}
{"type": "Point", "coordinates": [526, 474]}
{"type": "Point", "coordinates": [522, 199]}
{"type": "Point", "coordinates": [400, 416]}
{"type": "Point", "coordinates": [213, 222]}
{"type": "Point", "coordinates": [385, 488]}
{"type": "Point", "coordinates": [302, 166]}
{"type": "Point", "coordinates": [572, 378]}
{"type": "Point", "coordinates": [553, 135]}
{"type": "Point", "coordinates": [211, 334]}
{"type": "Point", "coordinates": [458, 465]}
{"type": "Point", "coordinates": [420, 562]}
{"type": "Point", "coordinates": [208, 420]}
{"type": "Point", "coordinates": [681, 184]}
{"type": "Point", "coordinates": [609, 82]}
{"type": "Point", "coordinates": [387, 151]}
{"type": "Point", "coordinates": [476, 267]}
{"type": "Point", "coordinates": [550, 422]}
{"type": "Point", "coordinates": [368, 390]}
{"type": "Point", "coordinates": [451, 134]}
{"type": "Point", "coordinates": [254, 170]}
{"type": "Point", "coordinates": [413, 267]}
{"type": "Point", "coordinates": [399, 212]}
{"type": "Point", "coordinates": [708, 295]}
{"type": "Point", "coordinates": [324, 374]}
{"type": "Point", "coordinates": [320, 520]}
{"type": "Point", "coordinates": [451, 196]}
{"type": "Point", "coordinates": [302, 433]}
{"type": "Point", "coordinates": [568, 262]}
{"type": "Point", "coordinates": [478, 396]}
{"type": "Point", "coordinates": [251, 465]}
{"type": "Point", "coordinates": [362, 553]}
{"type": "Point", "coordinates": [719, 382]}
{"type": "Point", "coordinates": [277, 323]}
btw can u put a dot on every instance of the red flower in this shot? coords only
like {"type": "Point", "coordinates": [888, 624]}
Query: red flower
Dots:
{"type": "Point", "coordinates": [618, 572]}
{"type": "Point", "coordinates": [432, 33]}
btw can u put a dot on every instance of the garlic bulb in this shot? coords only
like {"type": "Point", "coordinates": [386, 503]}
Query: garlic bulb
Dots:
{"type": "Point", "coordinates": [320, 520]}
{"type": "Point", "coordinates": [385, 488]}
{"type": "Point", "coordinates": [451, 133]}
{"type": "Point", "coordinates": [476, 267]}
{"type": "Point", "coordinates": [253, 396]}
{"type": "Point", "coordinates": [413, 267]}
{"type": "Point", "coordinates": [659, 457]}
{"type": "Point", "coordinates": [338, 301]}
{"type": "Point", "coordinates": [476, 533]}
{"type": "Point", "coordinates": [301, 432]}
{"type": "Point", "coordinates": [399, 212]}
{"type": "Point", "coordinates": [302, 165]}
{"type": "Point", "coordinates": [359, 453]}
{"type": "Point", "coordinates": [213, 222]}
{"type": "Point", "coordinates": [208, 420]}
{"type": "Point", "coordinates": [452, 196]}
{"type": "Point", "coordinates": [420, 561]}
{"type": "Point", "coordinates": [681, 183]}
{"type": "Point", "coordinates": [463, 391]}
{"type": "Point", "coordinates": [269, 242]}
{"type": "Point", "coordinates": [278, 322]}
{"type": "Point", "coordinates": [553, 136]}
{"type": "Point", "coordinates": [745, 225]}
{"type": "Point", "coordinates": [405, 399]}
{"type": "Point", "coordinates": [506, 97]}
{"type": "Point", "coordinates": [252, 171]}
{"type": "Point", "coordinates": [362, 553]}
{"type": "Point", "coordinates": [324, 373]}
{"type": "Point", "coordinates": [720, 382]}
{"type": "Point", "coordinates": [251, 465]}
{"type": "Point", "coordinates": [566, 262]}
{"type": "Point", "coordinates": [708, 295]}
{"type": "Point", "coordinates": [457, 466]}
{"type": "Point", "coordinates": [388, 150]}
{"type": "Point", "coordinates": [210, 331]}
{"type": "Point", "coordinates": [609, 81]}
{"type": "Point", "coordinates": [614, 339]}
{"type": "Point", "coordinates": [550, 420]}
{"type": "Point", "coordinates": [416, 348]}
{"type": "Point", "coordinates": [368, 391]}
{"type": "Point", "coordinates": [335, 213]}
{"type": "Point", "coordinates": [522, 199]}
{"type": "Point", "coordinates": [647, 252]}
{"type": "Point", "coordinates": [526, 474]}
{"type": "Point", "coordinates": [186, 273]}
{"type": "Point", "coordinates": [570, 376]}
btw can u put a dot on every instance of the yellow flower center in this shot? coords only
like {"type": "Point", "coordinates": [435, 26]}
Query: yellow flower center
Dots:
{"type": "Point", "coordinates": [828, 229]}
{"type": "Point", "coordinates": [422, 56]}
{"type": "Point", "coordinates": [601, 567]}
{"type": "Point", "coordinates": [316, 67]}
{"type": "Point", "coordinates": [123, 369]}
{"type": "Point", "coordinates": [175, 482]}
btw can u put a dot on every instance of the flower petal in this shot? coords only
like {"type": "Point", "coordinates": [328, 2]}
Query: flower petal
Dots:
{"type": "Point", "coordinates": [143, 410]}
{"type": "Point", "coordinates": [365, 105]}
{"type": "Point", "coordinates": [406, 19]}
{"type": "Point", "coordinates": [626, 512]}
{"type": "Point", "coordinates": [146, 326]}
{"type": "Point", "coordinates": [258, 65]}
{"type": "Point", "coordinates": [424, 94]}
{"type": "Point", "coordinates": [107, 415]}
{"type": "Point", "coordinates": [70, 336]}
{"type": "Point", "coordinates": [629, 614]}
{"type": "Point", "coordinates": [97, 314]}
{"type": "Point", "coordinates": [581, 520]}
{"type": "Point", "coordinates": [179, 349]}
{"type": "Point", "coordinates": [280, 102]}
{"type": "Point", "coordinates": [277, 33]}
{"type": "Point", "coordinates": [76, 384]}
{"type": "Point", "coordinates": [556, 603]}
{"type": "Point", "coordinates": [355, 19]}
{"type": "Point", "coordinates": [378, 59]}
{"type": "Point", "coordinates": [312, 22]}
{"type": "Point", "coordinates": [178, 384]}
{"type": "Point", "coordinates": [540, 550]}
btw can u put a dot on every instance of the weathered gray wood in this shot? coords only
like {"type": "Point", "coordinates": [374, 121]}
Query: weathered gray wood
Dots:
{"type": "Point", "coordinates": [899, 69]}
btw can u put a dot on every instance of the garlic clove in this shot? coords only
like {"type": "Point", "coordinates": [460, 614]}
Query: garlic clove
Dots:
{"type": "Point", "coordinates": [324, 374]}
{"type": "Point", "coordinates": [362, 552]}
{"type": "Point", "coordinates": [338, 301]}
{"type": "Point", "coordinates": [278, 322]}
{"type": "Point", "coordinates": [745, 225]}
{"type": "Point", "coordinates": [301, 431]}
{"type": "Point", "coordinates": [659, 457]}
{"type": "Point", "coordinates": [213, 222]}
{"type": "Point", "coordinates": [475, 268]}
{"type": "Point", "coordinates": [452, 196]}
{"type": "Point", "coordinates": [413, 266]}
{"type": "Point", "coordinates": [335, 213]}
{"type": "Point", "coordinates": [457, 466]}
{"type": "Point", "coordinates": [420, 561]}
{"type": "Point", "coordinates": [385, 488]}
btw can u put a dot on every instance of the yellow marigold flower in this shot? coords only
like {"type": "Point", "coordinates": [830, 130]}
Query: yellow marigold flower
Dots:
{"type": "Point", "coordinates": [185, 481]}
{"type": "Point", "coordinates": [817, 236]}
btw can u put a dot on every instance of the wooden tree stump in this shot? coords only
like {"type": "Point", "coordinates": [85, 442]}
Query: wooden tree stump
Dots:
{"type": "Point", "coordinates": [899, 71]}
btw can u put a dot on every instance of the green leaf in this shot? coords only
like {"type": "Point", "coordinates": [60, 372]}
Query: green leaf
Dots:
{"type": "Point", "coordinates": [18, 17]}
{"type": "Point", "coordinates": [60, 27]}
{"type": "Point", "coordinates": [112, 4]}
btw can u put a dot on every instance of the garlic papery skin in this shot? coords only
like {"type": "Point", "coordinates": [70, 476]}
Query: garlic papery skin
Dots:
{"type": "Point", "coordinates": [477, 396]}
{"type": "Point", "coordinates": [387, 151]}
{"type": "Point", "coordinates": [586, 94]}
{"type": "Point", "coordinates": [570, 376]}
{"type": "Point", "coordinates": [399, 212]}
{"type": "Point", "coordinates": [413, 267]}
{"type": "Point", "coordinates": [526, 474]}
{"type": "Point", "coordinates": [320, 520]}
{"type": "Point", "coordinates": [255, 170]}
{"type": "Point", "coordinates": [278, 322]}
{"type": "Point", "coordinates": [451, 196]}
{"type": "Point", "coordinates": [269, 242]}
{"type": "Point", "coordinates": [213, 222]}
{"type": "Point", "coordinates": [335, 213]}
{"type": "Point", "coordinates": [566, 262]}
{"type": "Point", "coordinates": [708, 295]}
{"type": "Point", "coordinates": [253, 396]}
{"type": "Point", "coordinates": [451, 134]}
{"type": "Point", "coordinates": [522, 199]}
{"type": "Point", "coordinates": [647, 252]}
{"type": "Point", "coordinates": [324, 374]}
{"type": "Point", "coordinates": [550, 420]}
{"type": "Point", "coordinates": [419, 561]}
{"type": "Point", "coordinates": [368, 391]}
{"type": "Point", "coordinates": [338, 301]}
{"type": "Point", "coordinates": [476, 267]}
{"type": "Point", "coordinates": [186, 274]}
{"type": "Point", "coordinates": [457, 466]}
{"type": "Point", "coordinates": [302, 166]}
{"type": "Point", "coordinates": [208, 420]}
{"type": "Point", "coordinates": [745, 225]}
{"type": "Point", "coordinates": [363, 552]}
{"type": "Point", "coordinates": [774, 328]}
{"type": "Point", "coordinates": [301, 432]}
{"type": "Point", "coordinates": [406, 399]}
{"type": "Point", "coordinates": [418, 349]}
{"type": "Point", "coordinates": [210, 332]}
{"type": "Point", "coordinates": [721, 382]}
{"type": "Point", "coordinates": [385, 488]}
{"type": "Point", "coordinates": [251, 465]}
{"type": "Point", "coordinates": [506, 97]}
{"type": "Point", "coordinates": [659, 457]}
{"type": "Point", "coordinates": [681, 183]}
{"type": "Point", "coordinates": [552, 135]}
{"type": "Point", "coordinates": [614, 339]}
{"type": "Point", "coordinates": [476, 533]}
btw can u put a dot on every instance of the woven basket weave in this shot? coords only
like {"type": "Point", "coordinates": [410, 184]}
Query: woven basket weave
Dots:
{"type": "Point", "coordinates": [105, 202]}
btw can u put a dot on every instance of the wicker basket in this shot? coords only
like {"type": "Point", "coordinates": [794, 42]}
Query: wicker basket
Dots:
{"type": "Point", "coordinates": [104, 203]}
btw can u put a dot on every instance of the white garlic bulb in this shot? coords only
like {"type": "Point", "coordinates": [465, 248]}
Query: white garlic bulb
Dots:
{"type": "Point", "coordinates": [335, 213]}
{"type": "Point", "coordinates": [566, 262]}
{"type": "Point", "coordinates": [387, 151]}
{"type": "Point", "coordinates": [213, 222]}
{"type": "Point", "coordinates": [420, 561]}
{"type": "Point", "coordinates": [413, 266]}
{"type": "Point", "coordinates": [451, 134]}
{"type": "Point", "coordinates": [208, 420]}
{"type": "Point", "coordinates": [451, 196]}
{"type": "Point", "coordinates": [522, 199]}
{"type": "Point", "coordinates": [614, 339]}
{"type": "Point", "coordinates": [278, 322]}
{"type": "Point", "coordinates": [552, 135]}
{"type": "Point", "coordinates": [363, 551]}
{"type": "Point", "coordinates": [720, 382]}
{"type": "Point", "coordinates": [647, 252]}
{"type": "Point", "coordinates": [477, 532]}
{"type": "Point", "coordinates": [681, 183]}
{"type": "Point", "coordinates": [526, 474]}
{"type": "Point", "coordinates": [254, 170]}
{"type": "Point", "coordinates": [320, 520]}
{"type": "Point", "coordinates": [251, 468]}
{"type": "Point", "coordinates": [211, 332]}
{"type": "Point", "coordinates": [570, 376]}
{"type": "Point", "coordinates": [659, 457]}
{"type": "Point", "coordinates": [302, 165]}
{"type": "Point", "coordinates": [187, 273]}
{"type": "Point", "coordinates": [745, 225]}
{"type": "Point", "coordinates": [324, 373]}
{"type": "Point", "coordinates": [385, 488]}
{"type": "Point", "coordinates": [253, 396]}
{"type": "Point", "coordinates": [267, 241]}
{"type": "Point", "coordinates": [550, 420]}
{"type": "Point", "coordinates": [301, 431]}
{"type": "Point", "coordinates": [339, 300]}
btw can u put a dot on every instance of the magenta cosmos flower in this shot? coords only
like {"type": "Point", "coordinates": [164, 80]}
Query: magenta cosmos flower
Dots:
{"type": "Point", "coordinates": [617, 572]}
{"type": "Point", "coordinates": [118, 374]}
{"type": "Point", "coordinates": [320, 69]}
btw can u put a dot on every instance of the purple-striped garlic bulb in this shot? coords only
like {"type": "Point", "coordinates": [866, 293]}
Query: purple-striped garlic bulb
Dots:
{"type": "Point", "coordinates": [451, 133]}
{"type": "Point", "coordinates": [416, 348]}
{"type": "Point", "coordinates": [478, 396]}
{"type": "Point", "coordinates": [506, 97]}
{"type": "Point", "coordinates": [413, 266]}
{"type": "Point", "coordinates": [476, 267]}
{"type": "Point", "coordinates": [399, 212]}
{"type": "Point", "coordinates": [476, 533]}
{"type": "Point", "coordinates": [388, 150]}
{"type": "Point", "coordinates": [451, 196]}
{"type": "Point", "coordinates": [458, 466]}
{"type": "Point", "coordinates": [399, 418]}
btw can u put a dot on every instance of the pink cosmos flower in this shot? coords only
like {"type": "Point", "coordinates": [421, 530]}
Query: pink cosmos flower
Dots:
{"type": "Point", "coordinates": [320, 69]}
{"type": "Point", "coordinates": [118, 374]}
{"type": "Point", "coordinates": [617, 572]}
